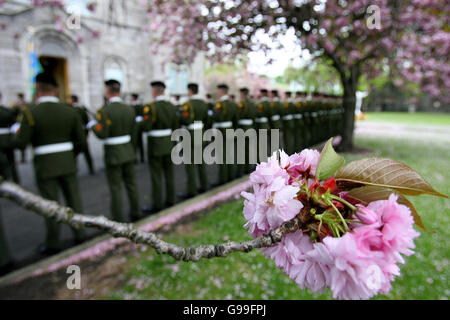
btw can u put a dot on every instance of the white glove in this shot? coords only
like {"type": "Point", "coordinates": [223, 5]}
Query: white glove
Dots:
{"type": "Point", "coordinates": [91, 123]}
{"type": "Point", "coordinates": [210, 112]}
{"type": "Point", "coordinates": [139, 118]}
{"type": "Point", "coordinates": [15, 128]}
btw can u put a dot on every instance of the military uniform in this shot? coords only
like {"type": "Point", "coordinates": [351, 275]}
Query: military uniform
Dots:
{"type": "Point", "coordinates": [54, 130]}
{"type": "Point", "coordinates": [117, 128]}
{"type": "Point", "coordinates": [83, 113]}
{"type": "Point", "coordinates": [7, 118]}
{"type": "Point", "coordinates": [7, 162]}
{"type": "Point", "coordinates": [308, 119]}
{"type": "Point", "coordinates": [288, 126]}
{"type": "Point", "coordinates": [20, 108]}
{"type": "Point", "coordinates": [262, 122]}
{"type": "Point", "coordinates": [301, 133]}
{"type": "Point", "coordinates": [276, 123]}
{"type": "Point", "coordinates": [194, 116]}
{"type": "Point", "coordinates": [247, 113]}
{"type": "Point", "coordinates": [139, 140]}
{"type": "Point", "coordinates": [225, 116]}
{"type": "Point", "coordinates": [160, 119]}
{"type": "Point", "coordinates": [5, 254]}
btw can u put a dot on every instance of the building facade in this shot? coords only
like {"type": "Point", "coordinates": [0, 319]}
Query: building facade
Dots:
{"type": "Point", "coordinates": [83, 48]}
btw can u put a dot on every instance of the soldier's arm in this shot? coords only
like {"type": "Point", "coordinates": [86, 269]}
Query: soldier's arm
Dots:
{"type": "Point", "coordinates": [134, 131]}
{"type": "Point", "coordinates": [236, 115]}
{"type": "Point", "coordinates": [85, 117]}
{"type": "Point", "coordinates": [78, 135]}
{"type": "Point", "coordinates": [217, 113]}
{"type": "Point", "coordinates": [147, 118]}
{"type": "Point", "coordinates": [23, 136]}
{"type": "Point", "coordinates": [186, 115]}
{"type": "Point", "coordinates": [176, 120]}
{"type": "Point", "coordinates": [101, 128]}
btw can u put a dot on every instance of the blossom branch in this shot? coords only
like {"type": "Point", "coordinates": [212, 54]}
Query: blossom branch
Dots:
{"type": "Point", "coordinates": [53, 210]}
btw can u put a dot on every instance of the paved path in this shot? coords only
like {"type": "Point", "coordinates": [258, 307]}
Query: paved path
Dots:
{"type": "Point", "coordinates": [25, 231]}
{"type": "Point", "coordinates": [419, 132]}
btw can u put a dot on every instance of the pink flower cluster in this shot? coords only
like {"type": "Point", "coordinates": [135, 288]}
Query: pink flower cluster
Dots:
{"type": "Point", "coordinates": [357, 265]}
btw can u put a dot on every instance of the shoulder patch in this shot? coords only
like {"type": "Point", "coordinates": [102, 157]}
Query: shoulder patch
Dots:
{"type": "Point", "coordinates": [28, 115]}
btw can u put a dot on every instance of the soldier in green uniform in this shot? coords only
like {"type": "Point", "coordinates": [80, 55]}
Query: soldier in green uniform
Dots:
{"type": "Point", "coordinates": [247, 113]}
{"type": "Point", "coordinates": [288, 123]}
{"type": "Point", "coordinates": [194, 116]}
{"type": "Point", "coordinates": [311, 114]}
{"type": "Point", "coordinates": [7, 157]}
{"type": "Point", "coordinates": [54, 130]}
{"type": "Point", "coordinates": [7, 119]}
{"type": "Point", "coordinates": [159, 120]}
{"type": "Point", "coordinates": [137, 106]}
{"type": "Point", "coordinates": [225, 116]}
{"type": "Point", "coordinates": [19, 106]}
{"type": "Point", "coordinates": [83, 112]}
{"type": "Point", "coordinates": [115, 125]}
{"type": "Point", "coordinates": [301, 132]}
{"type": "Point", "coordinates": [262, 122]}
{"type": "Point", "coordinates": [7, 163]}
{"type": "Point", "coordinates": [211, 105]}
{"type": "Point", "coordinates": [6, 262]}
{"type": "Point", "coordinates": [276, 110]}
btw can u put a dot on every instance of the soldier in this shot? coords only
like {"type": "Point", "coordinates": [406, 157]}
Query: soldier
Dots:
{"type": "Point", "coordinates": [263, 114]}
{"type": "Point", "coordinates": [160, 119]}
{"type": "Point", "coordinates": [225, 116]}
{"type": "Point", "coordinates": [276, 110]}
{"type": "Point", "coordinates": [301, 133]}
{"type": "Point", "coordinates": [6, 262]}
{"type": "Point", "coordinates": [313, 107]}
{"type": "Point", "coordinates": [7, 118]}
{"type": "Point", "coordinates": [137, 106]}
{"type": "Point", "coordinates": [288, 123]}
{"type": "Point", "coordinates": [83, 112]}
{"type": "Point", "coordinates": [194, 116]}
{"type": "Point", "coordinates": [18, 108]}
{"type": "Point", "coordinates": [247, 113]}
{"type": "Point", "coordinates": [115, 125]}
{"type": "Point", "coordinates": [54, 129]}
{"type": "Point", "coordinates": [7, 162]}
{"type": "Point", "coordinates": [211, 105]}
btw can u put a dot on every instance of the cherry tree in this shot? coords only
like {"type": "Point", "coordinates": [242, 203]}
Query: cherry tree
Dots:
{"type": "Point", "coordinates": [356, 36]}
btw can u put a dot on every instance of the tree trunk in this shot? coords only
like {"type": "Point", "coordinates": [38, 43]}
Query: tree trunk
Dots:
{"type": "Point", "coordinates": [350, 85]}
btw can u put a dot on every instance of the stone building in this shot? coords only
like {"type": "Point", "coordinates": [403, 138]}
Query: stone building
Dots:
{"type": "Point", "coordinates": [82, 48]}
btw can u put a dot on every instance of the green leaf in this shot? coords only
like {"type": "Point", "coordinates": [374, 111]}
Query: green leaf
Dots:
{"type": "Point", "coordinates": [386, 173]}
{"type": "Point", "coordinates": [369, 194]}
{"type": "Point", "coordinates": [329, 161]}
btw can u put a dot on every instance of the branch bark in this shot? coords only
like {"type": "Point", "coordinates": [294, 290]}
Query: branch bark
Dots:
{"type": "Point", "coordinates": [61, 214]}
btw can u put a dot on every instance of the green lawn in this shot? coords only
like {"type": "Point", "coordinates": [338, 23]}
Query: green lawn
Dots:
{"type": "Point", "coordinates": [416, 118]}
{"type": "Point", "coordinates": [251, 276]}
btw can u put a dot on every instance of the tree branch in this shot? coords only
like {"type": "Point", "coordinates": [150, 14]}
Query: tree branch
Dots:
{"type": "Point", "coordinates": [61, 214]}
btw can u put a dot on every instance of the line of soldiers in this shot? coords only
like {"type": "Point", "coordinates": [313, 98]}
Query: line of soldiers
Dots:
{"type": "Point", "coordinates": [57, 133]}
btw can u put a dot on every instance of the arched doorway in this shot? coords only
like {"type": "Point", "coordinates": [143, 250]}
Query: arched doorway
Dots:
{"type": "Point", "coordinates": [58, 67]}
{"type": "Point", "coordinates": [59, 55]}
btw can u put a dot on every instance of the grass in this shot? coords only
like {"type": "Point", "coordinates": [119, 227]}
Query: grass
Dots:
{"type": "Point", "coordinates": [251, 276]}
{"type": "Point", "coordinates": [416, 118]}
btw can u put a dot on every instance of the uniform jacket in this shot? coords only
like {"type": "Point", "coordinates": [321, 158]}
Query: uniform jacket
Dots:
{"type": "Point", "coordinates": [159, 115]}
{"type": "Point", "coordinates": [51, 122]}
{"type": "Point", "coordinates": [117, 119]}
